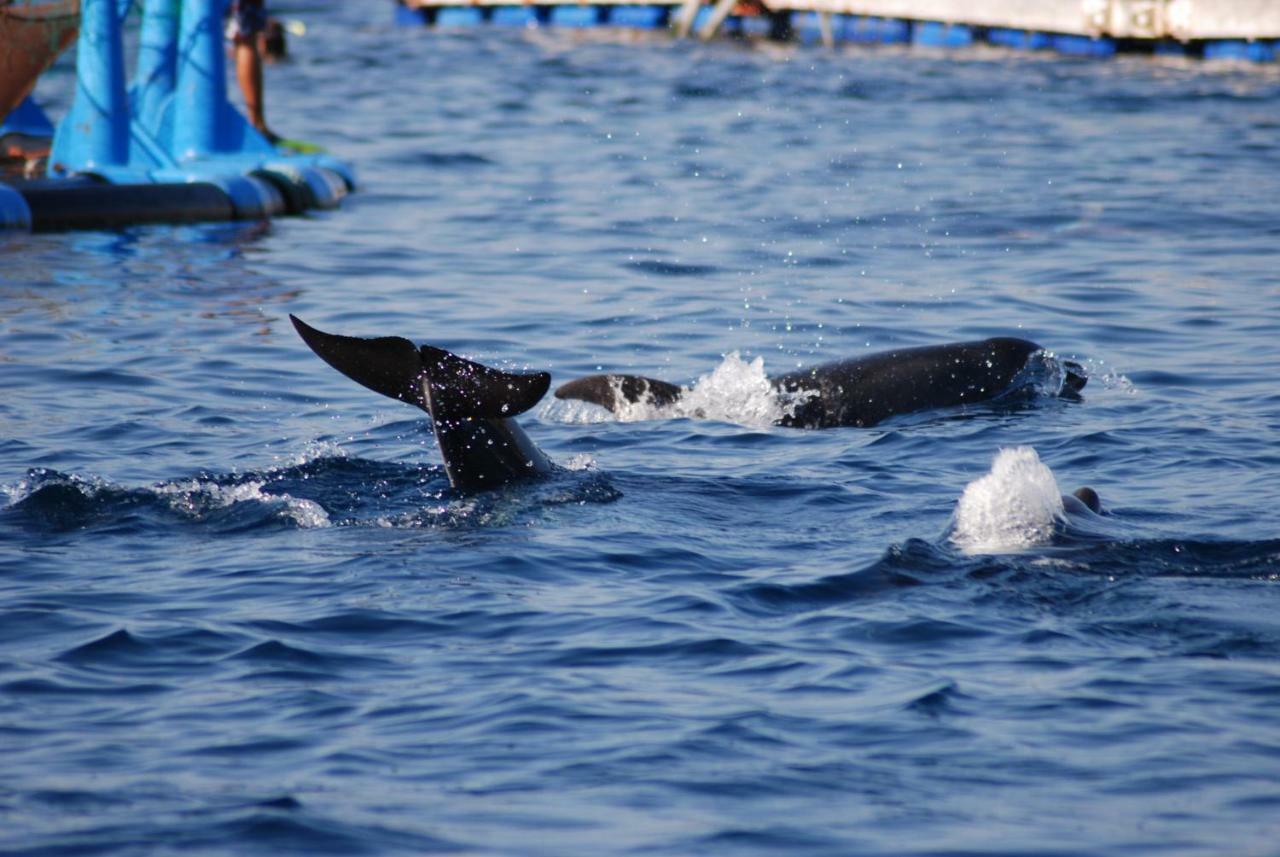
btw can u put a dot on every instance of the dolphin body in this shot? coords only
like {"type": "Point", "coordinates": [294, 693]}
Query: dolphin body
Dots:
{"type": "Point", "coordinates": [472, 407]}
{"type": "Point", "coordinates": [861, 391]}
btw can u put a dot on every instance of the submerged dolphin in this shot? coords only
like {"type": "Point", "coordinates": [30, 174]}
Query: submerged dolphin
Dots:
{"type": "Point", "coordinates": [471, 406]}
{"type": "Point", "coordinates": [861, 391]}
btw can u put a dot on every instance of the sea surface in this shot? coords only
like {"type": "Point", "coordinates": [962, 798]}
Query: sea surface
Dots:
{"type": "Point", "coordinates": [242, 612]}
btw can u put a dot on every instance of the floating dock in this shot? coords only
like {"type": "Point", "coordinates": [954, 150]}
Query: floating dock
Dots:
{"type": "Point", "coordinates": [168, 149]}
{"type": "Point", "coordinates": [1213, 29]}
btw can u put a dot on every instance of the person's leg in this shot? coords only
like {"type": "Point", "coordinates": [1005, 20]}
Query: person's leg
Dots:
{"type": "Point", "coordinates": [249, 18]}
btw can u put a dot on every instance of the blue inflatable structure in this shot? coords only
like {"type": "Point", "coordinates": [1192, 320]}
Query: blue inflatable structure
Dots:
{"type": "Point", "coordinates": [171, 148]}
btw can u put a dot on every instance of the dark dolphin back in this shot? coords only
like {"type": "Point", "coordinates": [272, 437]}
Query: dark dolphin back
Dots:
{"type": "Point", "coordinates": [470, 404]}
{"type": "Point", "coordinates": [866, 390]}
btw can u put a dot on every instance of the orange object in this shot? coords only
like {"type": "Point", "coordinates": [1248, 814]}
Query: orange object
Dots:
{"type": "Point", "coordinates": [32, 34]}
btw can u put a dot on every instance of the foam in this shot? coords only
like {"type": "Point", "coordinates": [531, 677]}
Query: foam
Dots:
{"type": "Point", "coordinates": [1014, 506]}
{"type": "Point", "coordinates": [195, 498]}
{"type": "Point", "coordinates": [735, 391]}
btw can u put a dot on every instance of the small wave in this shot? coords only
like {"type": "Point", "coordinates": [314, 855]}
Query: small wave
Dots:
{"type": "Point", "coordinates": [57, 502]}
{"type": "Point", "coordinates": [1162, 557]}
{"type": "Point", "coordinates": [315, 490]}
{"type": "Point", "coordinates": [671, 269]}
{"type": "Point", "coordinates": [451, 159]}
{"type": "Point", "coordinates": [1015, 506]}
{"type": "Point", "coordinates": [202, 500]}
{"type": "Point", "coordinates": [901, 566]}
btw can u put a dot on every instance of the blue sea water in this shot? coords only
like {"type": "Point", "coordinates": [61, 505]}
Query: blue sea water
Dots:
{"type": "Point", "coordinates": [241, 611]}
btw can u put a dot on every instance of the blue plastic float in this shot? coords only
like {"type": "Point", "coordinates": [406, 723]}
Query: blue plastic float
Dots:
{"type": "Point", "coordinates": [935, 35]}
{"type": "Point", "coordinates": [575, 16]}
{"type": "Point", "coordinates": [1235, 49]}
{"type": "Point", "coordinates": [515, 16]}
{"type": "Point", "coordinates": [1019, 40]}
{"type": "Point", "coordinates": [757, 26]}
{"type": "Point", "coordinates": [639, 17]}
{"type": "Point", "coordinates": [459, 16]}
{"type": "Point", "coordinates": [171, 148]}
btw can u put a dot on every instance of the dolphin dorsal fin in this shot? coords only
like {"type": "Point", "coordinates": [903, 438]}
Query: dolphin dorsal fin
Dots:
{"type": "Point", "coordinates": [388, 365]}
{"type": "Point", "coordinates": [463, 389]}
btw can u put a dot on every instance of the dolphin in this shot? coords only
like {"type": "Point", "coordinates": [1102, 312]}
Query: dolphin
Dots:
{"type": "Point", "coordinates": [472, 407]}
{"type": "Point", "coordinates": [1083, 499]}
{"type": "Point", "coordinates": [862, 391]}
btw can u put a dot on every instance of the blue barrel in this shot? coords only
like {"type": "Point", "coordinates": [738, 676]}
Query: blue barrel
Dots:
{"type": "Point", "coordinates": [639, 17]}
{"type": "Point", "coordinates": [938, 35]}
{"type": "Point", "coordinates": [406, 17]}
{"type": "Point", "coordinates": [729, 26]}
{"type": "Point", "coordinates": [860, 29]}
{"type": "Point", "coordinates": [514, 16]}
{"type": "Point", "coordinates": [1019, 40]}
{"type": "Point", "coordinates": [1083, 46]}
{"type": "Point", "coordinates": [252, 198]}
{"type": "Point", "coordinates": [14, 211]}
{"type": "Point", "coordinates": [575, 16]}
{"type": "Point", "coordinates": [878, 30]}
{"type": "Point", "coordinates": [303, 188]}
{"type": "Point", "coordinates": [756, 25]}
{"type": "Point", "coordinates": [1240, 50]}
{"type": "Point", "coordinates": [459, 16]}
{"type": "Point", "coordinates": [895, 31]}
{"type": "Point", "coordinates": [807, 27]}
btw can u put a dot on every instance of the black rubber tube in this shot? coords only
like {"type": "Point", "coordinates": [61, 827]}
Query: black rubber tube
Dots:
{"type": "Point", "coordinates": [106, 206]}
{"type": "Point", "coordinates": [297, 194]}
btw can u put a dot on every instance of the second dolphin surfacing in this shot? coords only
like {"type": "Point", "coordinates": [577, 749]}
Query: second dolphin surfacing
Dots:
{"type": "Point", "coordinates": [861, 391]}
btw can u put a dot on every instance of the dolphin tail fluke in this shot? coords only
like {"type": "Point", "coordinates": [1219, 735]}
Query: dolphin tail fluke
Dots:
{"type": "Point", "coordinates": [461, 389]}
{"type": "Point", "coordinates": [613, 391]}
{"type": "Point", "coordinates": [388, 365]}
{"type": "Point", "coordinates": [454, 388]}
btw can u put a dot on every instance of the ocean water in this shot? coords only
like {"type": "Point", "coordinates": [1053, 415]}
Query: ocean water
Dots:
{"type": "Point", "coordinates": [241, 611]}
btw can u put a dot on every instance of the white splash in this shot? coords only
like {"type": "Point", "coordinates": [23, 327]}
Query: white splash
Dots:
{"type": "Point", "coordinates": [735, 392]}
{"type": "Point", "coordinates": [581, 462]}
{"type": "Point", "coordinates": [312, 451]}
{"type": "Point", "coordinates": [1044, 375]}
{"type": "Point", "coordinates": [573, 412]}
{"type": "Point", "coordinates": [1111, 378]}
{"type": "Point", "coordinates": [13, 493]}
{"type": "Point", "coordinates": [195, 499]}
{"type": "Point", "coordinates": [1014, 506]}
